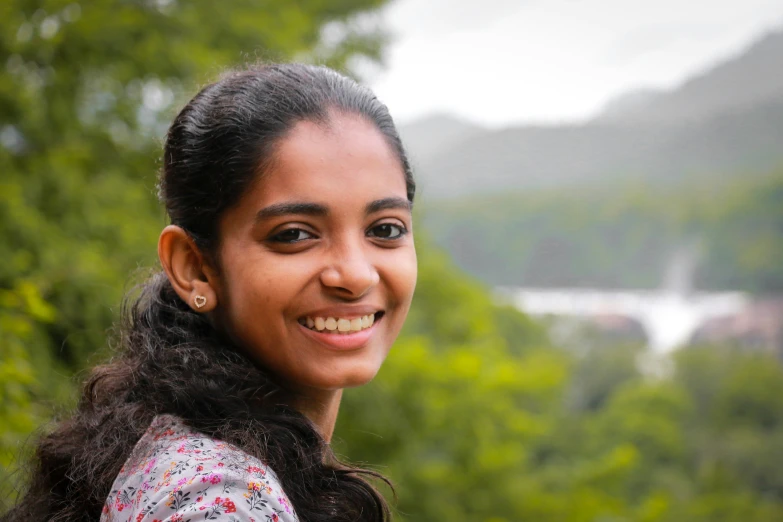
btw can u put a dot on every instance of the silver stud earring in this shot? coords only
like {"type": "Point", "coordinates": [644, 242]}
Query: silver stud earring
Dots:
{"type": "Point", "coordinates": [199, 301]}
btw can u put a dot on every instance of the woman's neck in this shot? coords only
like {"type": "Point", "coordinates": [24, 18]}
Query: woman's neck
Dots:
{"type": "Point", "coordinates": [321, 408]}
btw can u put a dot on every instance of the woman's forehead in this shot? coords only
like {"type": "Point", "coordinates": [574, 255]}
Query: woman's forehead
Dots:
{"type": "Point", "coordinates": [349, 157]}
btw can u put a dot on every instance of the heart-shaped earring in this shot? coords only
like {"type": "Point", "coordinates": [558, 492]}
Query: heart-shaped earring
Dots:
{"type": "Point", "coordinates": [199, 301]}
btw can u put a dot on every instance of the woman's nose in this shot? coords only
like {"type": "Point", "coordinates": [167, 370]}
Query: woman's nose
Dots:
{"type": "Point", "coordinates": [350, 271]}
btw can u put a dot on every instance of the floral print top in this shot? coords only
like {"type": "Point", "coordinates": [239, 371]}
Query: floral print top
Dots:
{"type": "Point", "coordinates": [175, 474]}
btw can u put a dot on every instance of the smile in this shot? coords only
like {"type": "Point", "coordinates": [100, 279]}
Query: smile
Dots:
{"type": "Point", "coordinates": [339, 325]}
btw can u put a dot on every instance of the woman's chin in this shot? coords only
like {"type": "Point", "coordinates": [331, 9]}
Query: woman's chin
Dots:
{"type": "Point", "coordinates": [355, 376]}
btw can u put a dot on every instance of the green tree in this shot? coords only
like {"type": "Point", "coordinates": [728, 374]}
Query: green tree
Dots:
{"type": "Point", "coordinates": [625, 237]}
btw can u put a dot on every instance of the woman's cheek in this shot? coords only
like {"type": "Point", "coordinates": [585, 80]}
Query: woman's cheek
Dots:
{"type": "Point", "coordinates": [411, 273]}
{"type": "Point", "coordinates": [402, 274]}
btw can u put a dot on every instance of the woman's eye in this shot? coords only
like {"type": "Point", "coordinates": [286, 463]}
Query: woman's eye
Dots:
{"type": "Point", "coordinates": [387, 231]}
{"type": "Point", "coordinates": [292, 235]}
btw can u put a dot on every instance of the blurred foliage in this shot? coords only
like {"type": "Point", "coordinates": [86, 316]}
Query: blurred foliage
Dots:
{"type": "Point", "coordinates": [475, 416]}
{"type": "Point", "coordinates": [623, 238]}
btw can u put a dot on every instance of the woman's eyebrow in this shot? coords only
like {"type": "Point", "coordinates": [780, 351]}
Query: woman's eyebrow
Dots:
{"type": "Point", "coordinates": [386, 204]}
{"type": "Point", "coordinates": [283, 209]}
{"type": "Point", "coordinates": [319, 210]}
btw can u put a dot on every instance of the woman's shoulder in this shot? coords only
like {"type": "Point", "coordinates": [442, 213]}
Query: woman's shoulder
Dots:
{"type": "Point", "coordinates": [176, 473]}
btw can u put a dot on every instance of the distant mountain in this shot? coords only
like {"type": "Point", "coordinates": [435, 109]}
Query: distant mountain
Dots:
{"type": "Point", "coordinates": [752, 78]}
{"type": "Point", "coordinates": [434, 134]}
{"type": "Point", "coordinates": [724, 122]}
{"type": "Point", "coordinates": [600, 154]}
{"type": "Point", "coordinates": [629, 103]}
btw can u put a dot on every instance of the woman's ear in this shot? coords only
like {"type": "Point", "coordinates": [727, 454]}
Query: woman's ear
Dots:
{"type": "Point", "coordinates": [185, 267]}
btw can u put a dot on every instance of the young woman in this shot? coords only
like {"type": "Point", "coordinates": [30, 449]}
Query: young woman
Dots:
{"type": "Point", "coordinates": [288, 270]}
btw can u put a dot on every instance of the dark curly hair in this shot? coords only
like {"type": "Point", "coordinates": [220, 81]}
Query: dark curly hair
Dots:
{"type": "Point", "coordinates": [170, 359]}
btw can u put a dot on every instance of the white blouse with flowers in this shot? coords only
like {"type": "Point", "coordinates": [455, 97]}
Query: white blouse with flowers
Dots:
{"type": "Point", "coordinates": [177, 474]}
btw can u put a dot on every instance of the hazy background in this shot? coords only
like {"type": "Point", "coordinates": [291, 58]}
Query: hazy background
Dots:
{"type": "Point", "coordinates": [598, 326]}
{"type": "Point", "coordinates": [505, 62]}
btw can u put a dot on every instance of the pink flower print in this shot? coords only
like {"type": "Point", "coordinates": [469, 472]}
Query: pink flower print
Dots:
{"type": "Point", "coordinates": [229, 505]}
{"type": "Point", "coordinates": [200, 468]}
{"type": "Point", "coordinates": [149, 466]}
{"type": "Point", "coordinates": [284, 502]}
{"type": "Point", "coordinates": [182, 481]}
{"type": "Point", "coordinates": [119, 504]}
{"type": "Point", "coordinates": [256, 469]}
{"type": "Point", "coordinates": [212, 478]}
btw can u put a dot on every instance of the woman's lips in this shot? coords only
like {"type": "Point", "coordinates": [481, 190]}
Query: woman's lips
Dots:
{"type": "Point", "coordinates": [341, 341]}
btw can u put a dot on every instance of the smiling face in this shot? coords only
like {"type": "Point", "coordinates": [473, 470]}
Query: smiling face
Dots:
{"type": "Point", "coordinates": [323, 240]}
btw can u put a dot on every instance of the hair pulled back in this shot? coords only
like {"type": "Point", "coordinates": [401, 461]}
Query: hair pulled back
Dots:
{"type": "Point", "coordinates": [228, 132]}
{"type": "Point", "coordinates": [171, 360]}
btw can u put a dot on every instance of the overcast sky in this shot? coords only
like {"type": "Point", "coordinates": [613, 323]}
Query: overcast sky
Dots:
{"type": "Point", "coordinates": [501, 62]}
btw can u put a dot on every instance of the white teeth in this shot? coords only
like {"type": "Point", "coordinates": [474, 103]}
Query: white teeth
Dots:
{"type": "Point", "coordinates": [343, 325]}
{"type": "Point", "coordinates": [334, 324]}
